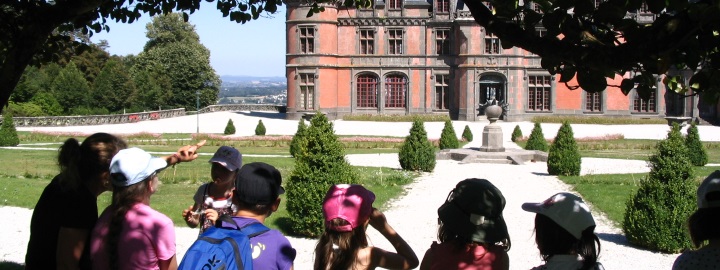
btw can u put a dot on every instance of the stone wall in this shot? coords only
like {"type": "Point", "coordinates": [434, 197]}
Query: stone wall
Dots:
{"type": "Point", "coordinates": [244, 107]}
{"type": "Point", "coordinates": [88, 120]}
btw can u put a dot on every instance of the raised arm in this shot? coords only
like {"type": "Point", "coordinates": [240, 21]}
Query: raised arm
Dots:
{"type": "Point", "coordinates": [405, 257]}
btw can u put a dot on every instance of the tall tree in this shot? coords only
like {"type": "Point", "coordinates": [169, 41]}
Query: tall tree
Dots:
{"type": "Point", "coordinates": [113, 88]}
{"type": "Point", "coordinates": [35, 31]}
{"type": "Point", "coordinates": [153, 88]}
{"type": "Point", "coordinates": [175, 48]}
{"type": "Point", "coordinates": [71, 89]}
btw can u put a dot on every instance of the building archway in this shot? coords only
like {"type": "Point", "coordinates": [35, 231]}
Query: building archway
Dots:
{"type": "Point", "coordinates": [491, 90]}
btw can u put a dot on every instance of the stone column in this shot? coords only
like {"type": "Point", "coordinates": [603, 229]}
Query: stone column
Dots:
{"type": "Point", "coordinates": [492, 137]}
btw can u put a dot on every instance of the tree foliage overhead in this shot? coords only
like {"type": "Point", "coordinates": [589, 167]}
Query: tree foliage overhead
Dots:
{"type": "Point", "coordinates": [594, 43]}
{"type": "Point", "coordinates": [39, 31]}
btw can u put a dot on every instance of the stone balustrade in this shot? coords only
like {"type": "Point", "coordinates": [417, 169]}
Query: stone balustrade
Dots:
{"type": "Point", "coordinates": [244, 107]}
{"type": "Point", "coordinates": [88, 120]}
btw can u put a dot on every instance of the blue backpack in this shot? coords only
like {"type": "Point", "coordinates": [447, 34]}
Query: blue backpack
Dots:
{"type": "Point", "coordinates": [223, 248]}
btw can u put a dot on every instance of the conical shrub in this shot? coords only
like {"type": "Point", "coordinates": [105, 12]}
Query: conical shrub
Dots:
{"type": "Point", "coordinates": [696, 150]}
{"type": "Point", "coordinates": [564, 156]}
{"type": "Point", "coordinates": [8, 133]}
{"type": "Point", "coordinates": [417, 153]}
{"type": "Point", "coordinates": [260, 129]}
{"type": "Point", "coordinates": [516, 134]}
{"type": "Point", "coordinates": [537, 139]}
{"type": "Point", "coordinates": [322, 165]}
{"type": "Point", "coordinates": [467, 135]}
{"type": "Point", "coordinates": [656, 215]}
{"type": "Point", "coordinates": [298, 144]}
{"type": "Point", "coordinates": [448, 139]}
{"type": "Point", "coordinates": [229, 128]}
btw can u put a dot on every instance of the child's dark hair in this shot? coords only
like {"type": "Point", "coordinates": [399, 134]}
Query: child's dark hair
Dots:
{"type": "Point", "coordinates": [703, 225]}
{"type": "Point", "coordinates": [446, 235]}
{"type": "Point", "coordinates": [348, 244]}
{"type": "Point", "coordinates": [258, 209]}
{"type": "Point", "coordinates": [553, 240]}
{"type": "Point", "coordinates": [80, 163]}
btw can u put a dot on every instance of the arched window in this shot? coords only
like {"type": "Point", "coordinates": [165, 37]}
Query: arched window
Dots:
{"type": "Point", "coordinates": [395, 91]}
{"type": "Point", "coordinates": [367, 91]}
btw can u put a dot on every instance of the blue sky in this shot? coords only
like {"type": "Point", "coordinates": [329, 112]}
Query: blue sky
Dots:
{"type": "Point", "coordinates": [256, 48]}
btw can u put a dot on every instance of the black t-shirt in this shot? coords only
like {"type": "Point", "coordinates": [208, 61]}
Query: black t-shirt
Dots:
{"type": "Point", "coordinates": [59, 207]}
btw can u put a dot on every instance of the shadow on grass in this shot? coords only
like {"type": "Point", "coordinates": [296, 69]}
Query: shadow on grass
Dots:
{"type": "Point", "coordinates": [272, 115]}
{"type": "Point", "coordinates": [11, 266]}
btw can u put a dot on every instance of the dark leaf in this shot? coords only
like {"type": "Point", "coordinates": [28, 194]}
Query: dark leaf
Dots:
{"type": "Point", "coordinates": [567, 74]}
{"type": "Point", "coordinates": [591, 81]}
{"type": "Point", "coordinates": [626, 86]}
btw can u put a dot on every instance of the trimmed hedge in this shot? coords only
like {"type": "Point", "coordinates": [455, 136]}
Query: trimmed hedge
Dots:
{"type": "Point", "coordinates": [448, 139]}
{"type": "Point", "coordinates": [299, 143]}
{"type": "Point", "coordinates": [467, 135]}
{"type": "Point", "coordinates": [656, 215]}
{"type": "Point", "coordinates": [8, 133]}
{"type": "Point", "coordinates": [322, 165]}
{"type": "Point", "coordinates": [537, 141]}
{"type": "Point", "coordinates": [417, 153]}
{"type": "Point", "coordinates": [229, 128]}
{"type": "Point", "coordinates": [516, 134]}
{"type": "Point", "coordinates": [564, 157]}
{"type": "Point", "coordinates": [260, 128]}
{"type": "Point", "coordinates": [696, 151]}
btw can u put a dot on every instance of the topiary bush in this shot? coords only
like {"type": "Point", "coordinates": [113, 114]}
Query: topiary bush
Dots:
{"type": "Point", "coordinates": [323, 164]}
{"type": "Point", "coordinates": [536, 141]}
{"type": "Point", "coordinates": [8, 134]}
{"type": "Point", "coordinates": [448, 139]}
{"type": "Point", "coordinates": [467, 134]}
{"type": "Point", "coordinates": [260, 128]}
{"type": "Point", "coordinates": [417, 153]}
{"type": "Point", "coordinates": [564, 157]}
{"type": "Point", "coordinates": [516, 134]}
{"type": "Point", "coordinates": [696, 150]}
{"type": "Point", "coordinates": [229, 128]}
{"type": "Point", "coordinates": [298, 143]}
{"type": "Point", "coordinates": [656, 215]}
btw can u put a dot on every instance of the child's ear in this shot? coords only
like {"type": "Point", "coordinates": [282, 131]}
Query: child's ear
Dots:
{"type": "Point", "coordinates": [276, 204]}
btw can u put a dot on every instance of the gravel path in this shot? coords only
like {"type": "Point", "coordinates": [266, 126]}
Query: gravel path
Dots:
{"type": "Point", "coordinates": [414, 214]}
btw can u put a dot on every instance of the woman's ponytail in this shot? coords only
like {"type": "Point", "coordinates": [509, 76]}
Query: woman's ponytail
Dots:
{"type": "Point", "coordinates": [587, 248]}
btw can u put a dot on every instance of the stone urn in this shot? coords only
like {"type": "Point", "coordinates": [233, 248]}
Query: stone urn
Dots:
{"type": "Point", "coordinates": [493, 113]}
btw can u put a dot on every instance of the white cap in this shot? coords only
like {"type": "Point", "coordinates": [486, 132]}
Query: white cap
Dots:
{"type": "Point", "coordinates": [710, 185]}
{"type": "Point", "coordinates": [567, 210]}
{"type": "Point", "coordinates": [133, 165]}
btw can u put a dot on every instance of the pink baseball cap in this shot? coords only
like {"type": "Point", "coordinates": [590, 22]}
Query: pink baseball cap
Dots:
{"type": "Point", "coordinates": [352, 203]}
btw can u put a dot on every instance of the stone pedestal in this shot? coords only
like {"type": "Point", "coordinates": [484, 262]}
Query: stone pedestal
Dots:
{"type": "Point", "coordinates": [492, 134]}
{"type": "Point", "coordinates": [492, 139]}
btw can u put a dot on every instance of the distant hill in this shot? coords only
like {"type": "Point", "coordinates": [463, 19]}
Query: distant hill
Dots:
{"type": "Point", "coordinates": [246, 79]}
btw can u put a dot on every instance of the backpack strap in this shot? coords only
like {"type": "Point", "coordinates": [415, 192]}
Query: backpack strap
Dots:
{"type": "Point", "coordinates": [251, 230]}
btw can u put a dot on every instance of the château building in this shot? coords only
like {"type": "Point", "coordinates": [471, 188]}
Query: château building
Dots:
{"type": "Point", "coordinates": [418, 57]}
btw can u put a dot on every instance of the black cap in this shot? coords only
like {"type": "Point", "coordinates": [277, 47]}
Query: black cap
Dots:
{"type": "Point", "coordinates": [258, 183]}
{"type": "Point", "coordinates": [473, 210]}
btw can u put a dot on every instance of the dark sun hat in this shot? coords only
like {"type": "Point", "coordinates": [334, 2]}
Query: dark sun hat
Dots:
{"type": "Point", "coordinates": [473, 210]}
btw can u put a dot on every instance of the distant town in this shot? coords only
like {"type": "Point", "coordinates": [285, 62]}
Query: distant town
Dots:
{"type": "Point", "coordinates": [253, 90]}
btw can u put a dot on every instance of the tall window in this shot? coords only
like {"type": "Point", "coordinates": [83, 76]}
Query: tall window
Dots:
{"type": "Point", "coordinates": [442, 6]}
{"type": "Point", "coordinates": [441, 92]}
{"type": "Point", "coordinates": [367, 41]}
{"type": "Point", "coordinates": [395, 91]}
{"type": "Point", "coordinates": [492, 43]}
{"type": "Point", "coordinates": [537, 8]}
{"type": "Point", "coordinates": [394, 4]}
{"type": "Point", "coordinates": [307, 39]}
{"type": "Point", "coordinates": [593, 102]}
{"type": "Point", "coordinates": [395, 41]}
{"type": "Point", "coordinates": [645, 106]}
{"type": "Point", "coordinates": [597, 3]}
{"type": "Point", "coordinates": [307, 91]}
{"type": "Point", "coordinates": [539, 88]}
{"type": "Point", "coordinates": [442, 41]}
{"type": "Point", "coordinates": [367, 91]}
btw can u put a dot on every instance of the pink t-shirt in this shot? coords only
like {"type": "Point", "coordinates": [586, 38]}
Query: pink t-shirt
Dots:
{"type": "Point", "coordinates": [146, 237]}
{"type": "Point", "coordinates": [449, 256]}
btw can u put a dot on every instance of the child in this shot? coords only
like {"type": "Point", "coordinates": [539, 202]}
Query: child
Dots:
{"type": "Point", "coordinates": [129, 234]}
{"type": "Point", "coordinates": [215, 198]}
{"type": "Point", "coordinates": [348, 211]}
{"type": "Point", "coordinates": [472, 232]}
{"type": "Point", "coordinates": [703, 226]}
{"type": "Point", "coordinates": [257, 197]}
{"type": "Point", "coordinates": [565, 233]}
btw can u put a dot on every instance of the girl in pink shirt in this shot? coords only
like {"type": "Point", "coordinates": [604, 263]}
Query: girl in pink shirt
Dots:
{"type": "Point", "coordinates": [129, 234]}
{"type": "Point", "coordinates": [472, 233]}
